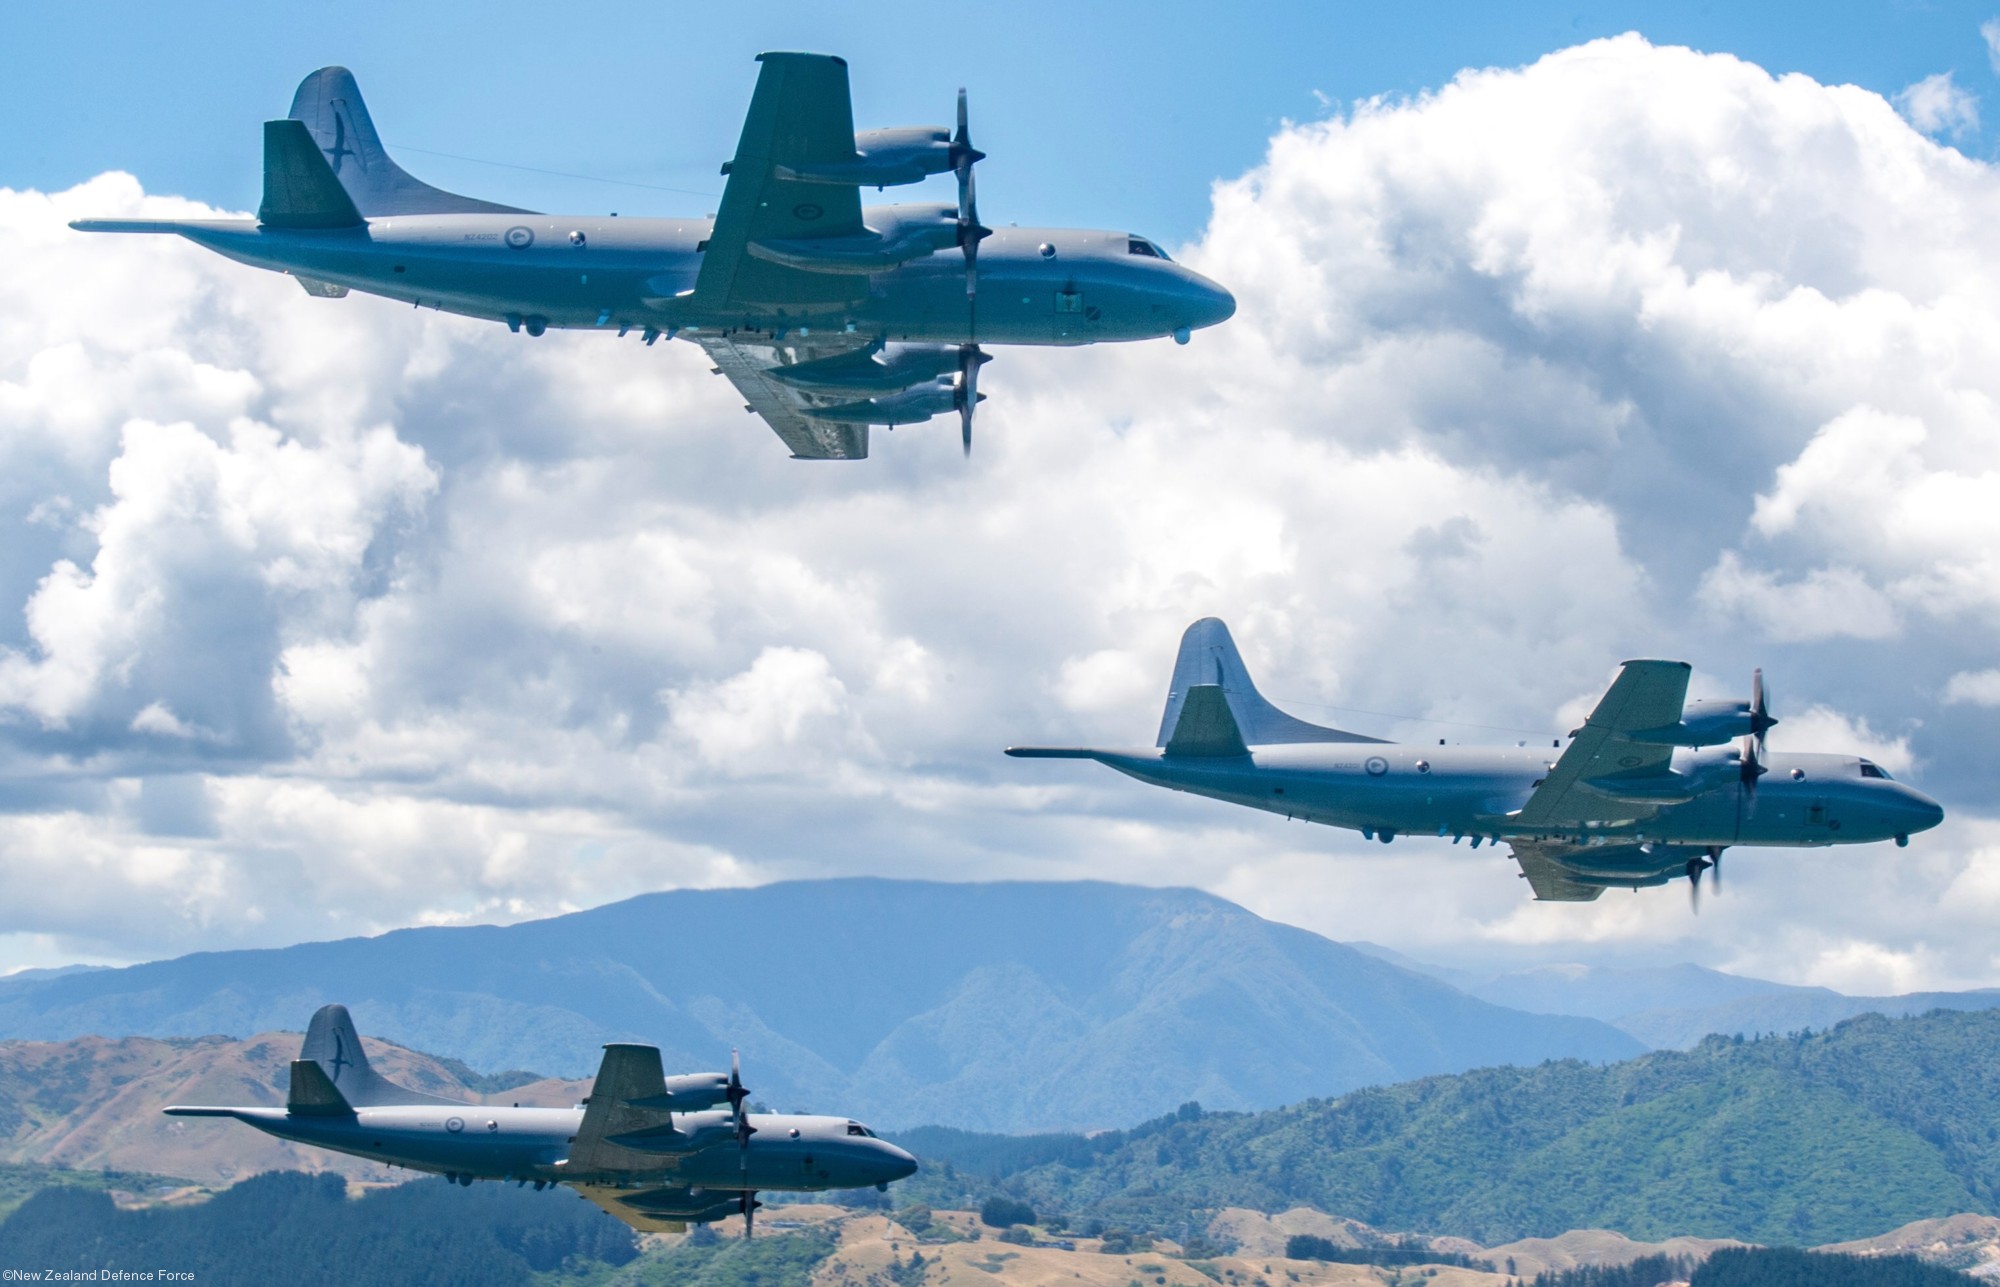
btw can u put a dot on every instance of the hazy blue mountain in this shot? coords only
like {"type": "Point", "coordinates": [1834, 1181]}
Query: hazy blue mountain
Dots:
{"type": "Point", "coordinates": [1672, 1007]}
{"type": "Point", "coordinates": [1012, 1006]}
{"type": "Point", "coordinates": [1794, 1011]}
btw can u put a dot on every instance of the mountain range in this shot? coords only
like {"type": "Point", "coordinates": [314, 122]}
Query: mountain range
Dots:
{"type": "Point", "coordinates": [1008, 1006]}
{"type": "Point", "coordinates": [1672, 1007]}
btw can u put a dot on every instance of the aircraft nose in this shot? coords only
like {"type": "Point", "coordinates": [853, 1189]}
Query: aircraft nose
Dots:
{"type": "Point", "coordinates": [1924, 812]}
{"type": "Point", "coordinates": [1211, 304]}
{"type": "Point", "coordinates": [895, 1163]}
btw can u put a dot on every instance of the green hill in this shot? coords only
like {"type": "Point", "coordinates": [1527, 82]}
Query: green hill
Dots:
{"type": "Point", "coordinates": [1794, 1140]}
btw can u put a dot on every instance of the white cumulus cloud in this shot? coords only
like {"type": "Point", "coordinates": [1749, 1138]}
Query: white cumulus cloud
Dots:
{"type": "Point", "coordinates": [325, 616]}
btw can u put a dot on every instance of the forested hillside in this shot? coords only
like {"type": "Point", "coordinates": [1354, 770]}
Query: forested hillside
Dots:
{"type": "Point", "coordinates": [1795, 1140]}
{"type": "Point", "coordinates": [303, 1229]}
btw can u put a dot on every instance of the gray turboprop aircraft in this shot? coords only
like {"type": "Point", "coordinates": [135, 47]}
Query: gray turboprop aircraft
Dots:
{"type": "Point", "coordinates": [827, 317]}
{"type": "Point", "coordinates": [1644, 792]}
{"type": "Point", "coordinates": [657, 1152]}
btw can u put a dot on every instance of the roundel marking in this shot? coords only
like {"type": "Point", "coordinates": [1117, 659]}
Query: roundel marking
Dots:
{"type": "Point", "coordinates": [1631, 761]}
{"type": "Point", "coordinates": [1376, 766]}
{"type": "Point", "coordinates": [454, 1124]}
{"type": "Point", "coordinates": [520, 237]}
{"type": "Point", "coordinates": [808, 211]}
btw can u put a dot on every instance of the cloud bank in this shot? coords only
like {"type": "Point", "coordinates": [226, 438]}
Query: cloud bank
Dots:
{"type": "Point", "coordinates": [324, 617]}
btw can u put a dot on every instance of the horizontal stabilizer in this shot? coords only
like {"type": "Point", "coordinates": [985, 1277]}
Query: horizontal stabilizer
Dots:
{"type": "Point", "coordinates": [155, 225]}
{"type": "Point", "coordinates": [1051, 753]}
{"type": "Point", "coordinates": [1206, 726]}
{"type": "Point", "coordinates": [1208, 658]}
{"type": "Point", "coordinates": [300, 190]}
{"type": "Point", "coordinates": [313, 1093]}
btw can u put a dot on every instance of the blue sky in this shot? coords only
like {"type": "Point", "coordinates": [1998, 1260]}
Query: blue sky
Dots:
{"type": "Point", "coordinates": [1096, 114]}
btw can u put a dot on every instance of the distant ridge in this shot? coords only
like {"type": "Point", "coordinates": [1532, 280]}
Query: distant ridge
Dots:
{"type": "Point", "coordinates": [1672, 1007]}
{"type": "Point", "coordinates": [1010, 1006]}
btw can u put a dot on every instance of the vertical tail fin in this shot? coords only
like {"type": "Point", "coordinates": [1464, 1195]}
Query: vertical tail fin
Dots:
{"type": "Point", "coordinates": [335, 1047]}
{"type": "Point", "coordinates": [329, 105]}
{"type": "Point", "coordinates": [1208, 658]}
{"type": "Point", "coordinates": [299, 188]}
{"type": "Point", "coordinates": [312, 1094]}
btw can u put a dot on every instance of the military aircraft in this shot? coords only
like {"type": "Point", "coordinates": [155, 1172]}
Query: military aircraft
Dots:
{"type": "Point", "coordinates": [1643, 793]}
{"type": "Point", "coordinates": [657, 1152]}
{"type": "Point", "coordinates": [827, 317]}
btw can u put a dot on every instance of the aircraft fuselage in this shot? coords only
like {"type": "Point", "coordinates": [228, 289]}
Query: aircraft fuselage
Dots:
{"type": "Point", "coordinates": [473, 1141]}
{"type": "Point", "coordinates": [1047, 286]}
{"type": "Point", "coordinates": [1390, 789]}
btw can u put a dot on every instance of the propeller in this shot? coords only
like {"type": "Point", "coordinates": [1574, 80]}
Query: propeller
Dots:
{"type": "Point", "coordinates": [736, 1094]}
{"type": "Point", "coordinates": [970, 233]}
{"type": "Point", "coordinates": [1696, 866]}
{"type": "Point", "coordinates": [967, 396]}
{"type": "Point", "coordinates": [1761, 718]}
{"type": "Point", "coordinates": [1715, 861]}
{"type": "Point", "coordinates": [1753, 741]}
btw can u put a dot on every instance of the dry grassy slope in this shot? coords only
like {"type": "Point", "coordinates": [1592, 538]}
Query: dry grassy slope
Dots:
{"type": "Point", "coordinates": [870, 1244]}
{"type": "Point", "coordinates": [1967, 1242]}
{"type": "Point", "coordinates": [95, 1102]}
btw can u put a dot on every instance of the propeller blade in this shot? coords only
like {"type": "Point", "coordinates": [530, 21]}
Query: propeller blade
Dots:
{"type": "Point", "coordinates": [1760, 710]}
{"type": "Point", "coordinates": [1696, 866]}
{"type": "Point", "coordinates": [970, 358]}
{"type": "Point", "coordinates": [750, 1205]}
{"type": "Point", "coordinates": [1715, 861]}
{"type": "Point", "coordinates": [736, 1094]}
{"type": "Point", "coordinates": [1752, 759]}
{"type": "Point", "coordinates": [970, 233]}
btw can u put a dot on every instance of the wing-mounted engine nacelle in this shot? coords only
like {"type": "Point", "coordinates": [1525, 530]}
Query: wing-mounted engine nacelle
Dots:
{"type": "Point", "coordinates": [878, 369]}
{"type": "Point", "coordinates": [696, 1206]}
{"type": "Point", "coordinates": [689, 1093]}
{"type": "Point", "coordinates": [895, 235]}
{"type": "Point", "coordinates": [883, 159]}
{"type": "Point", "coordinates": [1709, 722]}
{"type": "Point", "coordinates": [671, 1140]}
{"type": "Point", "coordinates": [1622, 865]}
{"type": "Point", "coordinates": [911, 406]}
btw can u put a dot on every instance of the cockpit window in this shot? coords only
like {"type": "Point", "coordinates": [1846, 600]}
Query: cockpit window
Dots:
{"type": "Point", "coordinates": [856, 1128]}
{"type": "Point", "coordinates": [1140, 246]}
{"type": "Point", "coordinates": [1873, 771]}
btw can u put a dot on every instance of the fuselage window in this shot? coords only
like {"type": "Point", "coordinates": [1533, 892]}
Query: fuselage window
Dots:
{"type": "Point", "coordinates": [1872, 771]}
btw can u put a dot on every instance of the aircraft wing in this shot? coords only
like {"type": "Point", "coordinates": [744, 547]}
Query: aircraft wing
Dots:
{"type": "Point", "coordinates": [800, 116]}
{"type": "Point", "coordinates": [1646, 695]}
{"type": "Point", "coordinates": [1560, 871]}
{"type": "Point", "coordinates": [784, 408]}
{"type": "Point", "coordinates": [1546, 875]}
{"type": "Point", "coordinates": [628, 1073]}
{"type": "Point", "coordinates": [612, 1199]}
